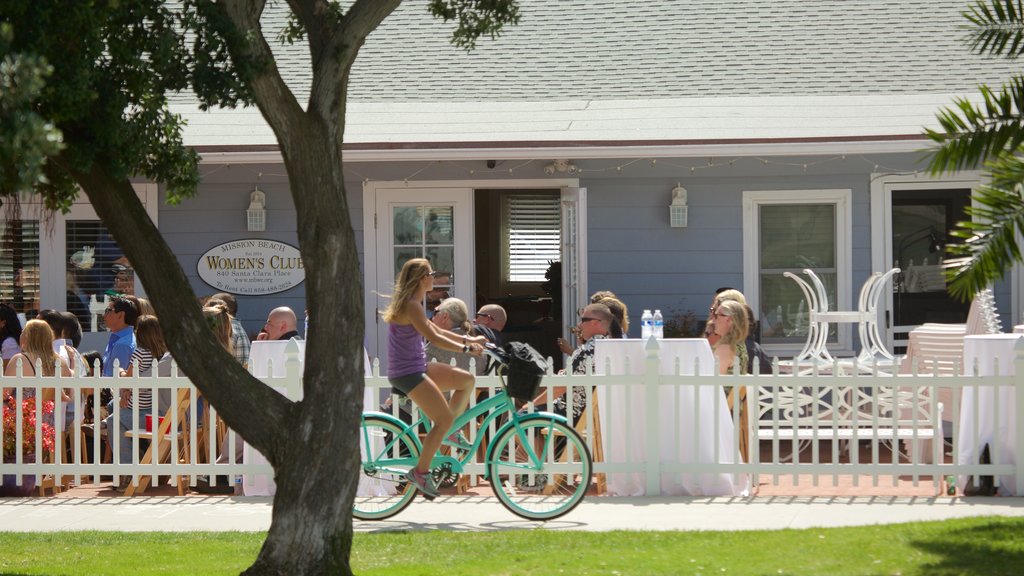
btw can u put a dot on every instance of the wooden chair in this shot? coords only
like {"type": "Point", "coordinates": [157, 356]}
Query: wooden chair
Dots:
{"type": "Point", "coordinates": [590, 414]}
{"type": "Point", "coordinates": [163, 443]}
{"type": "Point", "coordinates": [48, 482]}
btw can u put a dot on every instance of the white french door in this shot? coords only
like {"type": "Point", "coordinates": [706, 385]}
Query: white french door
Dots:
{"type": "Point", "coordinates": [435, 220]}
{"type": "Point", "coordinates": [431, 223]}
{"type": "Point", "coordinates": [911, 216]}
{"type": "Point", "coordinates": [574, 256]}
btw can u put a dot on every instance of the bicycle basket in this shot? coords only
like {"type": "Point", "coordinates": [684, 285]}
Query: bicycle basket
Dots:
{"type": "Point", "coordinates": [523, 370]}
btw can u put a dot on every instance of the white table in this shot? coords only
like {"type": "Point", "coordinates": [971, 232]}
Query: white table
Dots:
{"type": "Point", "coordinates": [984, 401]}
{"type": "Point", "coordinates": [267, 357]}
{"type": "Point", "coordinates": [679, 421]}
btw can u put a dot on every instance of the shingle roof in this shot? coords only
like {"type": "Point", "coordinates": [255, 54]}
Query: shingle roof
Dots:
{"type": "Point", "coordinates": [606, 70]}
{"type": "Point", "coordinates": [650, 49]}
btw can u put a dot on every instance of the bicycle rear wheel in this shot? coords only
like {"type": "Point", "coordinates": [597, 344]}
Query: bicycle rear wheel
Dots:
{"type": "Point", "coordinates": [546, 490]}
{"type": "Point", "coordinates": [386, 454]}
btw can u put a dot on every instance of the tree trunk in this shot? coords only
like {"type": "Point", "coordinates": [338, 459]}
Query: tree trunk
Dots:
{"type": "Point", "coordinates": [317, 470]}
{"type": "Point", "coordinates": [311, 530]}
{"type": "Point", "coordinates": [312, 444]}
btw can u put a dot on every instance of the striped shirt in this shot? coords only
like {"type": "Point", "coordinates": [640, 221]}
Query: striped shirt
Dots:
{"type": "Point", "coordinates": [145, 360]}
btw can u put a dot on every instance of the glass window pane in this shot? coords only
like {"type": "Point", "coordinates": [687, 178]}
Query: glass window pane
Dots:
{"type": "Point", "coordinates": [408, 225]}
{"type": "Point", "coordinates": [798, 236]}
{"type": "Point", "coordinates": [404, 254]}
{"type": "Point", "coordinates": [19, 265]}
{"type": "Point", "coordinates": [439, 224]}
{"type": "Point", "coordinates": [794, 237]}
{"type": "Point", "coordinates": [918, 233]}
{"type": "Point", "coordinates": [427, 232]}
{"type": "Point", "coordinates": [442, 258]}
{"type": "Point", "coordinates": [96, 268]}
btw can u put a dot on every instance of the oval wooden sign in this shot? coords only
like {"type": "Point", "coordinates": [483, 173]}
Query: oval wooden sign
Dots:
{"type": "Point", "coordinates": [252, 267]}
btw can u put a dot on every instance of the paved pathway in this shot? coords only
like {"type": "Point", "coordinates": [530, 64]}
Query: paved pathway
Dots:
{"type": "Point", "coordinates": [172, 513]}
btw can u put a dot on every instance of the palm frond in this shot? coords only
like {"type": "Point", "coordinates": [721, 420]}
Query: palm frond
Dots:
{"type": "Point", "coordinates": [990, 247]}
{"type": "Point", "coordinates": [997, 27]}
{"type": "Point", "coordinates": [970, 132]}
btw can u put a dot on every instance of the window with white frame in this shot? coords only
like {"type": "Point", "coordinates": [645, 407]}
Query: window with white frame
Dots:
{"type": "Point", "coordinates": [533, 235]}
{"type": "Point", "coordinates": [788, 231]}
{"type": "Point", "coordinates": [19, 265]}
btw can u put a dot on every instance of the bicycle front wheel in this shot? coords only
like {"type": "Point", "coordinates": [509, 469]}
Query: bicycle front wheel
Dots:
{"type": "Point", "coordinates": [540, 469]}
{"type": "Point", "coordinates": [386, 453]}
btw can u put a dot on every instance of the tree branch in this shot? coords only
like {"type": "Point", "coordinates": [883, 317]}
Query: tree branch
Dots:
{"type": "Point", "coordinates": [222, 380]}
{"type": "Point", "coordinates": [273, 96]}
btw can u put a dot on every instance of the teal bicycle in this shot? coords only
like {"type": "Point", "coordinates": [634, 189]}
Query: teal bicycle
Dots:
{"type": "Point", "coordinates": [538, 466]}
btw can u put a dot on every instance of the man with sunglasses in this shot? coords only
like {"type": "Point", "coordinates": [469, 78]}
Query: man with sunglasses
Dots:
{"type": "Point", "coordinates": [119, 317]}
{"type": "Point", "coordinates": [489, 322]}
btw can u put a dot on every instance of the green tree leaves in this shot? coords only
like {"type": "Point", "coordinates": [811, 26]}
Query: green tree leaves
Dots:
{"type": "Point", "coordinates": [476, 18]}
{"type": "Point", "coordinates": [989, 134]}
{"type": "Point", "coordinates": [997, 28]}
{"type": "Point", "coordinates": [114, 62]}
{"type": "Point", "coordinates": [26, 138]}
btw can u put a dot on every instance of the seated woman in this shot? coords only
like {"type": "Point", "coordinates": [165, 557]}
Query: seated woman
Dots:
{"type": "Point", "coordinates": [722, 295]}
{"type": "Point", "coordinates": [452, 315]}
{"type": "Point", "coordinates": [731, 326]}
{"type": "Point", "coordinates": [10, 333]}
{"type": "Point", "coordinates": [36, 346]}
{"type": "Point", "coordinates": [596, 322]}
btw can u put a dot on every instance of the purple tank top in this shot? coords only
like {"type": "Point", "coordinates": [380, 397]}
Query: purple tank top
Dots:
{"type": "Point", "coordinates": [405, 351]}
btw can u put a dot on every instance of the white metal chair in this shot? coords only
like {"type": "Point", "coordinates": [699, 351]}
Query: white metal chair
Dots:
{"type": "Point", "coordinates": [873, 351]}
{"type": "Point", "coordinates": [814, 355]}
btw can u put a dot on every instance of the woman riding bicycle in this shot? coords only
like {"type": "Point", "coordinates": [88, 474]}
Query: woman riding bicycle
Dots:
{"type": "Point", "coordinates": [411, 374]}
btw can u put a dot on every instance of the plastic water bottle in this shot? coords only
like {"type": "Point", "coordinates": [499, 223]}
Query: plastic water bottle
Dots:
{"type": "Point", "coordinates": [659, 325]}
{"type": "Point", "coordinates": [646, 325]}
{"type": "Point", "coordinates": [305, 328]}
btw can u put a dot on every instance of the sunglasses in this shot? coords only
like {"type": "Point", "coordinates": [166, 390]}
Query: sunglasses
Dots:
{"type": "Point", "coordinates": [589, 319]}
{"type": "Point", "coordinates": [109, 311]}
{"type": "Point", "coordinates": [720, 315]}
{"type": "Point", "coordinates": [482, 315]}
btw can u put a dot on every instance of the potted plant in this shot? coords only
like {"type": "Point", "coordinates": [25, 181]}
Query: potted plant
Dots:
{"type": "Point", "coordinates": [10, 485]}
{"type": "Point", "coordinates": [681, 323]}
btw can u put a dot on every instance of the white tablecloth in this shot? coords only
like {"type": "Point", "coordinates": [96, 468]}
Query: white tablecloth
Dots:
{"type": "Point", "coordinates": [274, 352]}
{"type": "Point", "coordinates": [679, 422]}
{"type": "Point", "coordinates": [983, 401]}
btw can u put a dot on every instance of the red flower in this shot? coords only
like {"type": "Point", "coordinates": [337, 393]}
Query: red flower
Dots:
{"type": "Point", "coordinates": [28, 427]}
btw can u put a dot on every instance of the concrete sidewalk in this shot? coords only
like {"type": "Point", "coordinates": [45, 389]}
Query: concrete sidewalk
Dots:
{"type": "Point", "coordinates": [475, 513]}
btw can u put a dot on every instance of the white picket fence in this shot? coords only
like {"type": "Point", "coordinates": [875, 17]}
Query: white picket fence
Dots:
{"type": "Point", "coordinates": [805, 425]}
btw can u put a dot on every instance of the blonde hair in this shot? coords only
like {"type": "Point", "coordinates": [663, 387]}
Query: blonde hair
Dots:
{"type": "Point", "coordinates": [146, 308]}
{"type": "Point", "coordinates": [219, 320]}
{"type": "Point", "coordinates": [413, 272]}
{"type": "Point", "coordinates": [149, 336]}
{"type": "Point", "coordinates": [457, 311]}
{"type": "Point", "coordinates": [618, 309]}
{"type": "Point", "coordinates": [730, 294]}
{"type": "Point", "coordinates": [38, 337]}
{"type": "Point", "coordinates": [739, 326]}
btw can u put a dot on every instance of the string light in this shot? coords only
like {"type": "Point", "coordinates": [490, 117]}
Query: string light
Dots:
{"type": "Point", "coordinates": [709, 163]}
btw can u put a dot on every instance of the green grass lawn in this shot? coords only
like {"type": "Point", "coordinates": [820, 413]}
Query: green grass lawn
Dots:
{"type": "Point", "coordinates": [989, 546]}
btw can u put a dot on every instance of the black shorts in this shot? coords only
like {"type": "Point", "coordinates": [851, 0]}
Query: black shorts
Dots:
{"type": "Point", "coordinates": [406, 384]}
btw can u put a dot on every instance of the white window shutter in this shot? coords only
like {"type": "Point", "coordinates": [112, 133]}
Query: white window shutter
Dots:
{"type": "Point", "coordinates": [534, 235]}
